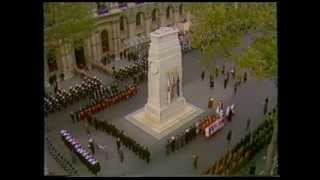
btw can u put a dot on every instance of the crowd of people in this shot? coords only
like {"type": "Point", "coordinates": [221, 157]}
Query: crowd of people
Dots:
{"type": "Point", "coordinates": [99, 104]}
{"type": "Point", "coordinates": [84, 155]}
{"type": "Point", "coordinates": [54, 102]}
{"type": "Point", "coordinates": [62, 161]}
{"type": "Point", "coordinates": [136, 71]}
{"type": "Point", "coordinates": [243, 151]}
{"type": "Point", "coordinates": [236, 76]}
{"type": "Point", "coordinates": [122, 139]}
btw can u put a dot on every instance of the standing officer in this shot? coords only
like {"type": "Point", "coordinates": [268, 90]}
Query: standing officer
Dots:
{"type": "Point", "coordinates": [225, 83]}
{"type": "Point", "coordinates": [266, 106]}
{"type": "Point", "coordinates": [202, 75]}
{"type": "Point", "coordinates": [72, 117]}
{"type": "Point", "coordinates": [118, 143]}
{"type": "Point", "coordinates": [195, 158]}
{"type": "Point", "coordinates": [173, 141]}
{"type": "Point", "coordinates": [229, 136]}
{"type": "Point", "coordinates": [245, 77]}
{"type": "Point", "coordinates": [91, 146]}
{"type": "Point", "coordinates": [211, 83]}
{"type": "Point", "coordinates": [235, 87]}
{"type": "Point", "coordinates": [168, 147]}
{"type": "Point", "coordinates": [121, 155]}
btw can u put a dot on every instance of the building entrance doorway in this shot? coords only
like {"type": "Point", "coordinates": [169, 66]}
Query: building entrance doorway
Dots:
{"type": "Point", "coordinates": [80, 58]}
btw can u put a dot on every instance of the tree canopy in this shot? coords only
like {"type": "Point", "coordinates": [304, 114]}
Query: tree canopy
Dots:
{"type": "Point", "coordinates": [67, 22]}
{"type": "Point", "coordinates": [217, 28]}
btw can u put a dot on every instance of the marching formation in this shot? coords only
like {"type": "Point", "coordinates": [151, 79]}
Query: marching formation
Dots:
{"type": "Point", "coordinates": [107, 101]}
{"type": "Point", "coordinates": [140, 150]}
{"type": "Point", "coordinates": [137, 71]}
{"type": "Point", "coordinates": [84, 155]}
{"type": "Point", "coordinates": [62, 98]}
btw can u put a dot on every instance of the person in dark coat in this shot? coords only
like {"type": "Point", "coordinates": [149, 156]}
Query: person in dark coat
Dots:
{"type": "Point", "coordinates": [229, 136]}
{"type": "Point", "coordinates": [211, 84]}
{"type": "Point", "coordinates": [265, 110]}
{"type": "Point", "coordinates": [118, 143]}
{"type": "Point", "coordinates": [252, 170]}
{"type": "Point", "coordinates": [248, 124]}
{"type": "Point", "coordinates": [202, 75]}
{"type": "Point", "coordinates": [223, 69]}
{"type": "Point", "coordinates": [235, 88]}
{"type": "Point", "coordinates": [121, 155]}
{"type": "Point", "coordinates": [245, 77]}
{"type": "Point", "coordinates": [72, 117]}
{"type": "Point", "coordinates": [195, 158]}
{"type": "Point", "coordinates": [225, 83]}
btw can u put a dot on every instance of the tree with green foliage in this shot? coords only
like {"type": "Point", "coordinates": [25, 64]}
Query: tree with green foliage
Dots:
{"type": "Point", "coordinates": [217, 28]}
{"type": "Point", "coordinates": [67, 22]}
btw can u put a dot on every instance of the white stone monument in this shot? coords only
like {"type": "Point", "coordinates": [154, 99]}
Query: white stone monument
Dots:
{"type": "Point", "coordinates": [166, 108]}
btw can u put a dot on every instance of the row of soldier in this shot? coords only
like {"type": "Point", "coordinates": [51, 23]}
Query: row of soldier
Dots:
{"type": "Point", "coordinates": [63, 98]}
{"type": "Point", "coordinates": [176, 142]}
{"type": "Point", "coordinates": [245, 149]}
{"type": "Point", "coordinates": [123, 94]}
{"type": "Point", "coordinates": [103, 92]}
{"type": "Point", "coordinates": [62, 161]}
{"type": "Point", "coordinates": [130, 70]}
{"type": "Point", "coordinates": [122, 139]}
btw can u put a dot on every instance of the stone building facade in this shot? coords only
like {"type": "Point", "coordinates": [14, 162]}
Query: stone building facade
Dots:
{"type": "Point", "coordinates": [119, 27]}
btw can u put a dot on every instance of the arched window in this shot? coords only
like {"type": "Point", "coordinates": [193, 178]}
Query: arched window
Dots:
{"type": "Point", "coordinates": [154, 13]}
{"type": "Point", "coordinates": [138, 19]}
{"type": "Point", "coordinates": [105, 40]}
{"type": "Point", "coordinates": [181, 9]}
{"type": "Point", "coordinates": [168, 12]}
{"type": "Point", "coordinates": [121, 23]}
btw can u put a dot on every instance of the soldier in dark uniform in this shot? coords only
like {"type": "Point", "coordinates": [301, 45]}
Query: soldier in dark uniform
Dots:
{"type": "Point", "coordinates": [118, 143]}
{"type": "Point", "coordinates": [173, 141]}
{"type": "Point", "coordinates": [211, 83]}
{"type": "Point", "coordinates": [248, 124]}
{"type": "Point", "coordinates": [225, 83]}
{"type": "Point", "coordinates": [223, 69]}
{"type": "Point", "coordinates": [245, 77]}
{"type": "Point", "coordinates": [229, 136]}
{"type": "Point", "coordinates": [202, 75]}
{"type": "Point", "coordinates": [265, 110]}
{"type": "Point", "coordinates": [195, 158]}
{"type": "Point", "coordinates": [91, 145]}
{"type": "Point", "coordinates": [178, 140]}
{"type": "Point", "coordinates": [235, 87]}
{"type": "Point", "coordinates": [168, 147]}
{"type": "Point", "coordinates": [72, 117]}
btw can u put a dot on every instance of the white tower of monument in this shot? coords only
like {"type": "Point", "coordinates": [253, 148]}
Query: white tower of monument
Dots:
{"type": "Point", "coordinates": [166, 108]}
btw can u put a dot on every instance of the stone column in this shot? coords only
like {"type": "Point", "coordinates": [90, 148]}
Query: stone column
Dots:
{"type": "Point", "coordinates": [148, 27]}
{"type": "Point", "coordinates": [86, 54]}
{"type": "Point", "coordinates": [71, 60]}
{"type": "Point", "coordinates": [115, 40]}
{"type": "Point", "coordinates": [67, 60]}
{"type": "Point", "coordinates": [117, 24]}
{"type": "Point", "coordinates": [163, 19]}
{"type": "Point", "coordinates": [132, 29]}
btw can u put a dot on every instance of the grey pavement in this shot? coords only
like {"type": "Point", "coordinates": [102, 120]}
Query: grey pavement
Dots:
{"type": "Point", "coordinates": [249, 102]}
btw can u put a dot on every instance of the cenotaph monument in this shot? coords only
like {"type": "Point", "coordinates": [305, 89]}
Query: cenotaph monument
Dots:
{"type": "Point", "coordinates": [166, 108]}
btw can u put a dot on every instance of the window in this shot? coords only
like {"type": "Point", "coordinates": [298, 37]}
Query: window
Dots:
{"type": "Point", "coordinates": [105, 40]}
{"type": "Point", "coordinates": [138, 19]}
{"type": "Point", "coordinates": [181, 9]}
{"type": "Point", "coordinates": [154, 16]}
{"type": "Point", "coordinates": [121, 23]}
{"type": "Point", "coordinates": [168, 12]}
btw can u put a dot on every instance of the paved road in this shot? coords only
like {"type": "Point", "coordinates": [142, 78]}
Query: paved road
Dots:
{"type": "Point", "coordinates": [249, 102]}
